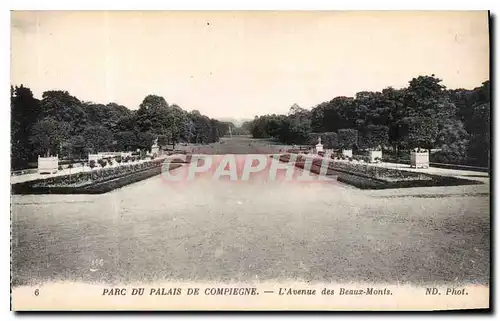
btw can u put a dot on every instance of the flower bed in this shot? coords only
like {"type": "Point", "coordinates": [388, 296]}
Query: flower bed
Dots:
{"type": "Point", "coordinates": [94, 176]}
{"type": "Point", "coordinates": [387, 174]}
{"type": "Point", "coordinates": [375, 177]}
{"type": "Point", "coordinates": [96, 181]}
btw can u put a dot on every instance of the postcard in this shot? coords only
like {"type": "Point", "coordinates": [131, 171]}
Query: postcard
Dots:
{"type": "Point", "coordinates": [250, 160]}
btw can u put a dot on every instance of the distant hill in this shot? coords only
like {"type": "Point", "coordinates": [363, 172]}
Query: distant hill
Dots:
{"type": "Point", "coordinates": [236, 122]}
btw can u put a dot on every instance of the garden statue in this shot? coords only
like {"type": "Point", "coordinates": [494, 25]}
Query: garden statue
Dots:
{"type": "Point", "coordinates": [319, 146]}
{"type": "Point", "coordinates": [155, 148]}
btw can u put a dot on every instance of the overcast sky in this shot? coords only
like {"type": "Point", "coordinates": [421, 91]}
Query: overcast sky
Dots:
{"type": "Point", "coordinates": [239, 64]}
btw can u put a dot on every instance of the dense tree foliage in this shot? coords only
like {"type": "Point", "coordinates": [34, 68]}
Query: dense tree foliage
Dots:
{"type": "Point", "coordinates": [423, 115]}
{"type": "Point", "coordinates": [348, 138]}
{"type": "Point", "coordinates": [329, 140]}
{"type": "Point", "coordinates": [25, 111]}
{"type": "Point", "coordinates": [61, 124]}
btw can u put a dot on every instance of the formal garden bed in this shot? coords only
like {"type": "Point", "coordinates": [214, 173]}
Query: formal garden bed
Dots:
{"type": "Point", "coordinates": [93, 181]}
{"type": "Point", "coordinates": [367, 176]}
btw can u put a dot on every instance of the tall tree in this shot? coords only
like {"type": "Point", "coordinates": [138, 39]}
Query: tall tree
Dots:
{"type": "Point", "coordinates": [63, 107]}
{"type": "Point", "coordinates": [47, 136]}
{"type": "Point", "coordinates": [427, 107]}
{"type": "Point", "coordinates": [25, 110]}
{"type": "Point", "coordinates": [98, 138]}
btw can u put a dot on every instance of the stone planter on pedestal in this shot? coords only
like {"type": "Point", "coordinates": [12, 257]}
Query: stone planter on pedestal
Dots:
{"type": "Point", "coordinates": [375, 154]}
{"type": "Point", "coordinates": [419, 159]}
{"type": "Point", "coordinates": [94, 157]}
{"type": "Point", "coordinates": [48, 165]}
{"type": "Point", "coordinates": [347, 152]}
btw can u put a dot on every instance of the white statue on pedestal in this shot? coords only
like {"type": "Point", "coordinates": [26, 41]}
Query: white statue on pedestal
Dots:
{"type": "Point", "coordinates": [319, 146]}
{"type": "Point", "coordinates": [155, 148]}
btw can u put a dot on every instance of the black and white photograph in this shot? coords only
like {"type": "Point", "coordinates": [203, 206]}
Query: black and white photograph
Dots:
{"type": "Point", "coordinates": [250, 160]}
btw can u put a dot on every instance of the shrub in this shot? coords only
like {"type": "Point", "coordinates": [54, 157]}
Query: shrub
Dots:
{"type": "Point", "coordinates": [60, 167]}
{"type": "Point", "coordinates": [374, 136]}
{"type": "Point", "coordinates": [447, 158]}
{"type": "Point", "coordinates": [118, 159]}
{"type": "Point", "coordinates": [92, 164]}
{"type": "Point", "coordinates": [70, 166]}
{"type": "Point", "coordinates": [313, 138]}
{"type": "Point", "coordinates": [330, 140]}
{"type": "Point", "coordinates": [422, 132]}
{"type": "Point", "coordinates": [400, 157]}
{"type": "Point", "coordinates": [361, 158]}
{"type": "Point", "coordinates": [102, 162]}
{"type": "Point", "coordinates": [110, 161]}
{"type": "Point", "coordinates": [347, 138]}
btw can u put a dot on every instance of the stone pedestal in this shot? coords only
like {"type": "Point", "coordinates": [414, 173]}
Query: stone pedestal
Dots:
{"type": "Point", "coordinates": [375, 154]}
{"type": "Point", "coordinates": [95, 157]}
{"type": "Point", "coordinates": [347, 152]}
{"type": "Point", "coordinates": [48, 165]}
{"type": "Point", "coordinates": [419, 159]}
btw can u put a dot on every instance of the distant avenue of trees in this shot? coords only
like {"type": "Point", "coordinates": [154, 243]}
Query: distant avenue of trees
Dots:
{"type": "Point", "coordinates": [62, 124]}
{"type": "Point", "coordinates": [423, 115]}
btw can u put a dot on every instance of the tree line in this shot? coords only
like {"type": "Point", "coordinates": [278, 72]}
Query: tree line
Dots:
{"type": "Point", "coordinates": [422, 115]}
{"type": "Point", "coordinates": [61, 124]}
